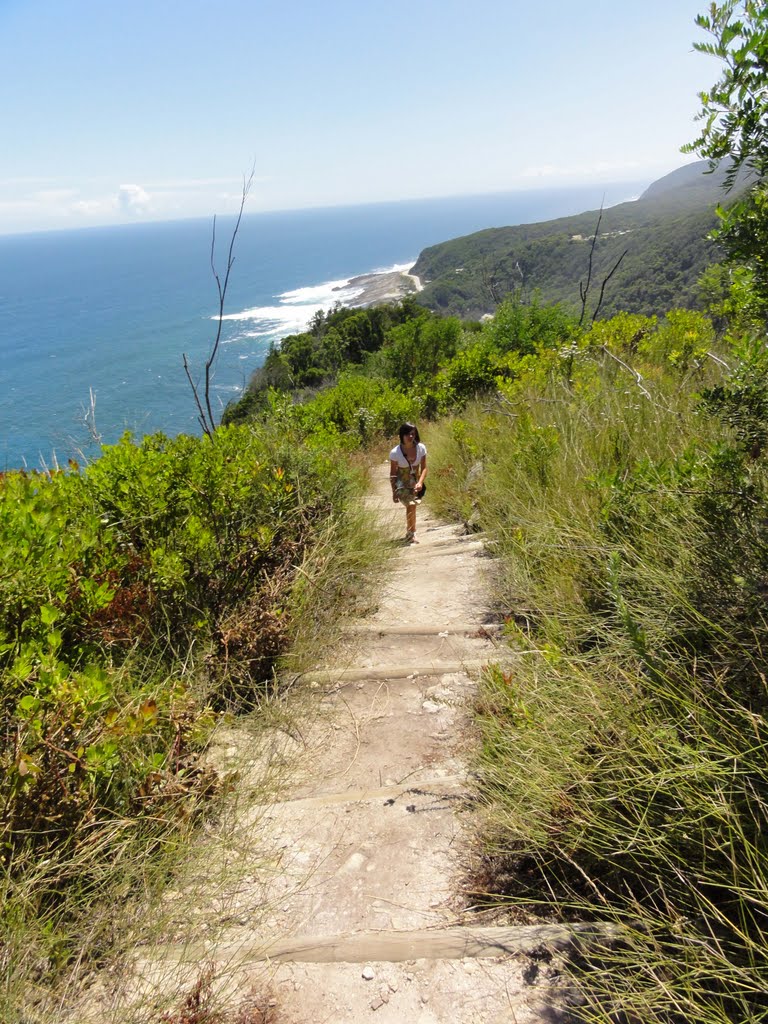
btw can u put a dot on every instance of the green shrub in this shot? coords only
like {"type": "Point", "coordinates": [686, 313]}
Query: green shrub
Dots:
{"type": "Point", "coordinates": [162, 564]}
{"type": "Point", "coordinates": [526, 328]}
{"type": "Point", "coordinates": [359, 408]}
{"type": "Point", "coordinates": [165, 583]}
{"type": "Point", "coordinates": [472, 371]}
{"type": "Point", "coordinates": [417, 348]}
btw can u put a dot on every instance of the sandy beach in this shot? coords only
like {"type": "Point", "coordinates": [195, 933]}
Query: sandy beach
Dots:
{"type": "Point", "coordinates": [370, 289]}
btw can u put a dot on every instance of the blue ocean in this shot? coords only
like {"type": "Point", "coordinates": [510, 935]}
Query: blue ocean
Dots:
{"type": "Point", "coordinates": [94, 323]}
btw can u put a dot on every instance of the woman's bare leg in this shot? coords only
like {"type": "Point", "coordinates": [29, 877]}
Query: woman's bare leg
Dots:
{"type": "Point", "coordinates": [410, 520]}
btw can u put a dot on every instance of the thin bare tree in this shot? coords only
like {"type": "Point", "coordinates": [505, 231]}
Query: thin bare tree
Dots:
{"type": "Point", "coordinates": [585, 287]}
{"type": "Point", "coordinates": [492, 280]}
{"type": "Point", "coordinates": [606, 279]}
{"type": "Point", "coordinates": [204, 408]}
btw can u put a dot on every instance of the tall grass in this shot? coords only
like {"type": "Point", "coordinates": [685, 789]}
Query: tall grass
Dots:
{"type": "Point", "coordinates": [624, 757]}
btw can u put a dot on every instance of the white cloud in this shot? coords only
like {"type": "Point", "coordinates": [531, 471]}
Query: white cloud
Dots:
{"type": "Point", "coordinates": [43, 203]}
{"type": "Point", "coordinates": [132, 199]}
{"type": "Point", "coordinates": [26, 181]}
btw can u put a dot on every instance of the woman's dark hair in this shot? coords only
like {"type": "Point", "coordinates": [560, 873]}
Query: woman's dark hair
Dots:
{"type": "Point", "coordinates": [406, 429]}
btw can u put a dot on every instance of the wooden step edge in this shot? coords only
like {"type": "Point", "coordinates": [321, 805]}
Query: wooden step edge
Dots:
{"type": "Point", "coordinates": [453, 539]}
{"type": "Point", "coordinates": [379, 672]}
{"type": "Point", "coordinates": [415, 787]}
{"type": "Point", "coordinates": [458, 629]}
{"type": "Point", "coordinates": [451, 943]}
{"type": "Point", "coordinates": [476, 550]}
{"type": "Point", "coordinates": [457, 943]}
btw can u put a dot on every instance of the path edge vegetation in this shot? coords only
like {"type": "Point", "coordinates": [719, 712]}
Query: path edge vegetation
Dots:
{"type": "Point", "coordinates": [168, 587]}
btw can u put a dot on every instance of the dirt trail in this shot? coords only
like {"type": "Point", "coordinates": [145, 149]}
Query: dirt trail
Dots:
{"type": "Point", "coordinates": [374, 841]}
{"type": "Point", "coordinates": [361, 863]}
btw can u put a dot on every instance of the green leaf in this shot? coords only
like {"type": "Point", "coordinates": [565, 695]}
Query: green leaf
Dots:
{"type": "Point", "coordinates": [27, 706]}
{"type": "Point", "coordinates": [49, 614]}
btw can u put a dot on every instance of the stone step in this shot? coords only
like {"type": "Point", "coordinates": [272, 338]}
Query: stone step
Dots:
{"type": "Point", "coordinates": [433, 539]}
{"type": "Point", "coordinates": [427, 648]}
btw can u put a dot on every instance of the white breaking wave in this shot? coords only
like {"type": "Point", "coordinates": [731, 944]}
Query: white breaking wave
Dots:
{"type": "Point", "coordinates": [274, 317]}
{"type": "Point", "coordinates": [398, 268]}
{"type": "Point", "coordinates": [298, 306]}
{"type": "Point", "coordinates": [314, 294]}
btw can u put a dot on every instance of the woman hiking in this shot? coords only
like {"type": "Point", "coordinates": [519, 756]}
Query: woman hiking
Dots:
{"type": "Point", "coordinates": [407, 470]}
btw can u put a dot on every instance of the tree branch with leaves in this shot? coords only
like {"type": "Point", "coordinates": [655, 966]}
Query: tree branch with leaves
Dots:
{"type": "Point", "coordinates": [734, 113]}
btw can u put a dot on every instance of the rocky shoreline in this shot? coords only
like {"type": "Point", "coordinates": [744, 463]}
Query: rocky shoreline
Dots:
{"type": "Point", "coordinates": [371, 289]}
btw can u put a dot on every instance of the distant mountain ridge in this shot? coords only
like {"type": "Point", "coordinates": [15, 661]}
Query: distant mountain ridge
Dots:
{"type": "Point", "coordinates": [663, 235]}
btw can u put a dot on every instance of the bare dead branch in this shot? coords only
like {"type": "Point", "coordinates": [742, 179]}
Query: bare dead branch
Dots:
{"type": "Point", "coordinates": [201, 415]}
{"type": "Point", "coordinates": [491, 281]}
{"type": "Point", "coordinates": [638, 377]}
{"type": "Point", "coordinates": [205, 413]}
{"type": "Point", "coordinates": [605, 282]}
{"type": "Point", "coordinates": [719, 361]}
{"type": "Point", "coordinates": [519, 269]}
{"type": "Point", "coordinates": [584, 288]}
{"type": "Point", "coordinates": [89, 418]}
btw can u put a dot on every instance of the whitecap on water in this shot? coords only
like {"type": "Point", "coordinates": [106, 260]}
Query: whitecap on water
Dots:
{"type": "Point", "coordinates": [299, 305]}
{"type": "Point", "coordinates": [316, 295]}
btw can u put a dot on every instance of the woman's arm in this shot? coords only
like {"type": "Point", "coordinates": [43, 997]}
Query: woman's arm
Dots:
{"type": "Point", "coordinates": [422, 475]}
{"type": "Point", "coordinates": [393, 479]}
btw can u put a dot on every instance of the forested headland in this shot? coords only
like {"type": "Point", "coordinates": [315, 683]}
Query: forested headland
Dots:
{"type": "Point", "coordinates": [663, 237]}
{"type": "Point", "coordinates": [616, 456]}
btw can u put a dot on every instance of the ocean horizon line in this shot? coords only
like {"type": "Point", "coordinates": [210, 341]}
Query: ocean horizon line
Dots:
{"type": "Point", "coordinates": [208, 218]}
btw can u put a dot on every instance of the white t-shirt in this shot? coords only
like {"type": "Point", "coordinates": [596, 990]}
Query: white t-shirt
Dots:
{"type": "Point", "coordinates": [396, 455]}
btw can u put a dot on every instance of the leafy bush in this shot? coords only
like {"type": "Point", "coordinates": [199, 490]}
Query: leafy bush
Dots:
{"type": "Point", "coordinates": [336, 340]}
{"type": "Point", "coordinates": [523, 328]}
{"type": "Point", "coordinates": [137, 598]}
{"type": "Point", "coordinates": [472, 371]}
{"type": "Point", "coordinates": [358, 408]}
{"type": "Point", "coordinates": [417, 348]}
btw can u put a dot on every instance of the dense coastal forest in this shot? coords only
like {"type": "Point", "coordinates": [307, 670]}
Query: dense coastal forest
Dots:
{"type": "Point", "coordinates": [665, 236]}
{"type": "Point", "coordinates": [619, 468]}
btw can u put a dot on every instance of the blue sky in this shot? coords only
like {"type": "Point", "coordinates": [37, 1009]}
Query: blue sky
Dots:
{"type": "Point", "coordinates": [155, 109]}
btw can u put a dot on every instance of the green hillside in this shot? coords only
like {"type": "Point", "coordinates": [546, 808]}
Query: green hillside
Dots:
{"type": "Point", "coordinates": [663, 233]}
